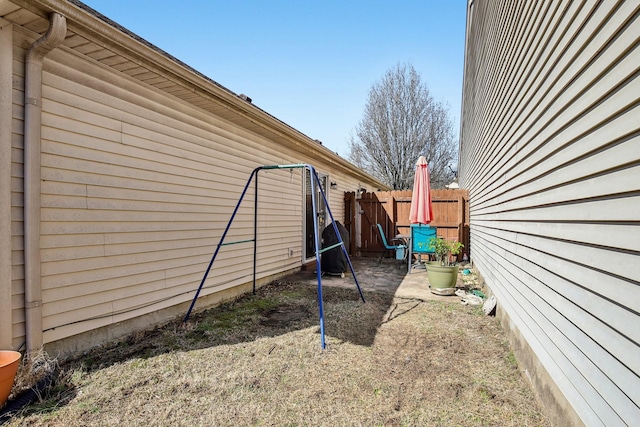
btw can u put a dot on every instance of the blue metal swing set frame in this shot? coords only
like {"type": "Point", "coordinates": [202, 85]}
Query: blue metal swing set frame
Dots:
{"type": "Point", "coordinates": [315, 184]}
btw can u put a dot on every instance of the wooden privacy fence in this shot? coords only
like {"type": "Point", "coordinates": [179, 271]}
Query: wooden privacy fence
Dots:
{"type": "Point", "coordinates": [391, 210]}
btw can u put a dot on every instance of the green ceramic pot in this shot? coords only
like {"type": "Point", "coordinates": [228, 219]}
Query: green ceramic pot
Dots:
{"type": "Point", "coordinates": [442, 279]}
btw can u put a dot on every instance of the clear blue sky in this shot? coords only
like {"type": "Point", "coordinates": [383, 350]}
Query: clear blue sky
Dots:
{"type": "Point", "coordinates": [308, 63]}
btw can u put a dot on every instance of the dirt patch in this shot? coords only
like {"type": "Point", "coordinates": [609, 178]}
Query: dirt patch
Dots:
{"type": "Point", "coordinates": [284, 316]}
{"type": "Point", "coordinates": [257, 361]}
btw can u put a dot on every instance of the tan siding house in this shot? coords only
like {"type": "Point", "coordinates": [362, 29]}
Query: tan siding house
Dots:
{"type": "Point", "coordinates": [550, 153]}
{"type": "Point", "coordinates": [121, 167]}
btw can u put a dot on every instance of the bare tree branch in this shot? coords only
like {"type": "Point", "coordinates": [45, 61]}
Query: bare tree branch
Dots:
{"type": "Point", "coordinates": [402, 122]}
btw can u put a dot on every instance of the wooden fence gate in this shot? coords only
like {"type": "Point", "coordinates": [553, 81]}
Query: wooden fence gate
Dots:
{"type": "Point", "coordinates": [391, 210]}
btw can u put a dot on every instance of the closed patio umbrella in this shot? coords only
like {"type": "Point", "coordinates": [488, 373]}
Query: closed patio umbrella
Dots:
{"type": "Point", "coordinates": [421, 211]}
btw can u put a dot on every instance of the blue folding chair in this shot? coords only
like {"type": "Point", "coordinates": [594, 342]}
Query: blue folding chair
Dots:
{"type": "Point", "coordinates": [400, 248]}
{"type": "Point", "coordinates": [421, 236]}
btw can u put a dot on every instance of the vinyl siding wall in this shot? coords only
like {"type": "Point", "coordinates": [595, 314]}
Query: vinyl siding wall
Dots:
{"type": "Point", "coordinates": [6, 107]}
{"type": "Point", "coordinates": [137, 189]}
{"type": "Point", "coordinates": [550, 153]}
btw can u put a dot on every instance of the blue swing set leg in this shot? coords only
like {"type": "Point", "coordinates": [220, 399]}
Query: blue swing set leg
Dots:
{"type": "Point", "coordinates": [314, 182]}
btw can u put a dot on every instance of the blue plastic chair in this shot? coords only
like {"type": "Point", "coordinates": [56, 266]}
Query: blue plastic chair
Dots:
{"type": "Point", "coordinates": [400, 248]}
{"type": "Point", "coordinates": [421, 236]}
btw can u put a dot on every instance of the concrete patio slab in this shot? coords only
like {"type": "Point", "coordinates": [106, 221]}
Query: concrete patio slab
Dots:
{"type": "Point", "coordinates": [390, 276]}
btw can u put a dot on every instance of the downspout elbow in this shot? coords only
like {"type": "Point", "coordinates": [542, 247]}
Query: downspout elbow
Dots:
{"type": "Point", "coordinates": [32, 177]}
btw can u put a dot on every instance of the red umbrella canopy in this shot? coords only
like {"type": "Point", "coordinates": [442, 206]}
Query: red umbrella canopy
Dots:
{"type": "Point", "coordinates": [421, 210]}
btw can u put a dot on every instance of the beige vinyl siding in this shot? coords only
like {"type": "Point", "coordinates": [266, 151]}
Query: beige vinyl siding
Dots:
{"type": "Point", "coordinates": [6, 159]}
{"type": "Point", "coordinates": [17, 201]}
{"type": "Point", "coordinates": [550, 152]}
{"type": "Point", "coordinates": [147, 191]}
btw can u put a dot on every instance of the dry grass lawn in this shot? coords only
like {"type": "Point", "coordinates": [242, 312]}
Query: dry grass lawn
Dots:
{"type": "Point", "coordinates": [257, 361]}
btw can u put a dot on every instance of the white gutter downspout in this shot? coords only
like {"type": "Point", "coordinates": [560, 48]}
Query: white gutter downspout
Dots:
{"type": "Point", "coordinates": [32, 144]}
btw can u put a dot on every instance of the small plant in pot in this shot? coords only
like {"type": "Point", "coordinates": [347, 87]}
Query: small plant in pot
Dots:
{"type": "Point", "coordinates": [442, 275]}
{"type": "Point", "coordinates": [444, 249]}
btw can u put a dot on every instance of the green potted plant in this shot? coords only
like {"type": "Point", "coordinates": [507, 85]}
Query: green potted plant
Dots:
{"type": "Point", "coordinates": [443, 275]}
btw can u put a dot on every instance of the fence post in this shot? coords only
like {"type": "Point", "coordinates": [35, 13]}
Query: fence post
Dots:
{"type": "Point", "coordinates": [391, 208]}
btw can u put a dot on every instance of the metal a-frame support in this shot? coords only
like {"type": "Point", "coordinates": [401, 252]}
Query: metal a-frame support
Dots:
{"type": "Point", "coordinates": [315, 184]}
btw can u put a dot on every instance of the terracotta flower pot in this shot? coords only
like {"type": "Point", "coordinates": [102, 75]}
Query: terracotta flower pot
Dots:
{"type": "Point", "coordinates": [9, 361]}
